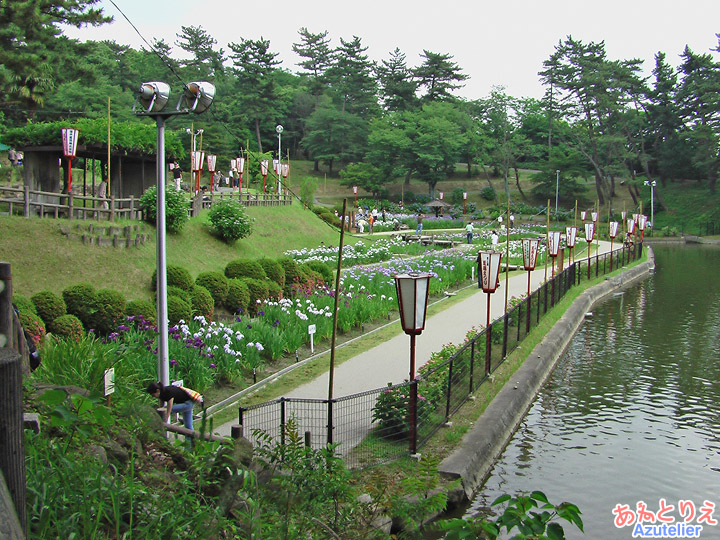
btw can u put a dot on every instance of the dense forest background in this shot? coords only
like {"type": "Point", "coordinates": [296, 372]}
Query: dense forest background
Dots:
{"type": "Point", "coordinates": [374, 123]}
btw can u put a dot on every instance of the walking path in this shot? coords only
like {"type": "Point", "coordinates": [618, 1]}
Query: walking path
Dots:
{"type": "Point", "coordinates": [389, 362]}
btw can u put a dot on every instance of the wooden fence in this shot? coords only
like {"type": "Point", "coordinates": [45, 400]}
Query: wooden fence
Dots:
{"type": "Point", "coordinates": [48, 204]}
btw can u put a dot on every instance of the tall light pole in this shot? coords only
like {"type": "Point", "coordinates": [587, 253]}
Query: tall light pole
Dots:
{"type": "Point", "coordinates": [152, 98]}
{"type": "Point", "coordinates": [279, 130]}
{"type": "Point", "coordinates": [652, 184]}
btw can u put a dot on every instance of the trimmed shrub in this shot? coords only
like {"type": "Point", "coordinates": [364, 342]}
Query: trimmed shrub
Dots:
{"type": "Point", "coordinates": [216, 283]}
{"type": "Point", "coordinates": [178, 309]}
{"type": "Point", "coordinates": [67, 327]}
{"type": "Point", "coordinates": [176, 291]}
{"type": "Point", "coordinates": [273, 270]}
{"type": "Point", "coordinates": [144, 308]}
{"type": "Point", "coordinates": [202, 302]}
{"type": "Point", "coordinates": [81, 301]}
{"type": "Point", "coordinates": [228, 220]}
{"type": "Point", "coordinates": [238, 296]}
{"type": "Point", "coordinates": [33, 324]}
{"type": "Point", "coordinates": [487, 193]}
{"type": "Point", "coordinates": [321, 268]}
{"type": "Point", "coordinates": [48, 305]}
{"type": "Point", "coordinates": [258, 290]}
{"type": "Point", "coordinates": [275, 291]}
{"type": "Point", "coordinates": [23, 303]}
{"type": "Point", "coordinates": [292, 274]}
{"type": "Point", "coordinates": [177, 276]}
{"type": "Point", "coordinates": [110, 312]}
{"type": "Point", "coordinates": [245, 268]}
{"type": "Point", "coordinates": [176, 208]}
{"type": "Point", "coordinates": [307, 279]}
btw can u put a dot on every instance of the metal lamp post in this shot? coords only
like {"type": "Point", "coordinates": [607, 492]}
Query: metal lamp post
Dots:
{"type": "Point", "coordinates": [530, 247]}
{"type": "Point", "coordinates": [70, 139]}
{"type": "Point", "coordinates": [152, 98]}
{"type": "Point", "coordinates": [279, 130]}
{"type": "Point", "coordinates": [412, 293]}
{"type": "Point", "coordinates": [589, 235]}
{"type": "Point", "coordinates": [557, 191]}
{"type": "Point", "coordinates": [553, 247]}
{"type": "Point", "coordinates": [570, 240]}
{"type": "Point", "coordinates": [652, 184]}
{"type": "Point", "coordinates": [489, 273]}
{"type": "Point", "coordinates": [613, 231]}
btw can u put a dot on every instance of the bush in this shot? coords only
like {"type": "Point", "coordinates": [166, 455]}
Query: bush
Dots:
{"type": "Point", "coordinates": [321, 268]}
{"type": "Point", "coordinates": [176, 291]}
{"type": "Point", "coordinates": [487, 193]}
{"type": "Point", "coordinates": [229, 221]}
{"type": "Point", "coordinates": [176, 208]}
{"type": "Point", "coordinates": [177, 276]}
{"type": "Point", "coordinates": [110, 312]}
{"type": "Point", "coordinates": [245, 268]}
{"type": "Point", "coordinates": [144, 308]}
{"type": "Point", "coordinates": [202, 302]}
{"type": "Point", "coordinates": [216, 283]}
{"type": "Point", "coordinates": [292, 274]}
{"type": "Point", "coordinates": [258, 290]}
{"type": "Point", "coordinates": [391, 411]}
{"type": "Point", "coordinates": [33, 324]}
{"type": "Point", "coordinates": [81, 301]}
{"type": "Point", "coordinates": [49, 306]}
{"type": "Point", "coordinates": [309, 278]}
{"type": "Point", "coordinates": [275, 291]}
{"type": "Point", "coordinates": [67, 327]}
{"type": "Point", "coordinates": [23, 303]}
{"type": "Point", "coordinates": [327, 215]}
{"type": "Point", "coordinates": [178, 310]}
{"type": "Point", "coordinates": [238, 297]}
{"type": "Point", "coordinates": [273, 270]}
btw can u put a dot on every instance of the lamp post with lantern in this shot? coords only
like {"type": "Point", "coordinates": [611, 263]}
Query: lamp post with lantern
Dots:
{"type": "Point", "coordinates": [151, 100]}
{"type": "Point", "coordinates": [355, 194]}
{"type": "Point", "coordinates": [530, 247]}
{"type": "Point", "coordinates": [279, 129]}
{"type": "Point", "coordinates": [652, 184]}
{"type": "Point", "coordinates": [553, 247]}
{"type": "Point", "coordinates": [412, 292]}
{"type": "Point", "coordinates": [69, 140]}
{"type": "Point", "coordinates": [264, 173]}
{"type": "Point", "coordinates": [570, 240]}
{"type": "Point", "coordinates": [211, 161]}
{"type": "Point", "coordinates": [464, 202]}
{"type": "Point", "coordinates": [589, 235]}
{"type": "Point", "coordinates": [489, 273]}
{"type": "Point", "coordinates": [613, 231]}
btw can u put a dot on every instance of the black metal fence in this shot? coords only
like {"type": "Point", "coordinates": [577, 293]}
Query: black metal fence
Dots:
{"type": "Point", "coordinates": [375, 427]}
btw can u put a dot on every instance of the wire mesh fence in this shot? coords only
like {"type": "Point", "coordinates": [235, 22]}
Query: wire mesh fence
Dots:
{"type": "Point", "coordinates": [384, 424]}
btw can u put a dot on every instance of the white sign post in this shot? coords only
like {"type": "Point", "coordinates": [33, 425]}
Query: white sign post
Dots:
{"type": "Point", "coordinates": [311, 331]}
{"type": "Point", "coordinates": [109, 382]}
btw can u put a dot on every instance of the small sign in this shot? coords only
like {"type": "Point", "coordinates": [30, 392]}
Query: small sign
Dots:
{"type": "Point", "coordinates": [311, 329]}
{"type": "Point", "coordinates": [109, 381]}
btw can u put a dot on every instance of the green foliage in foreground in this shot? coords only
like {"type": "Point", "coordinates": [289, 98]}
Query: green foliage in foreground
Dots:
{"type": "Point", "coordinates": [176, 208]}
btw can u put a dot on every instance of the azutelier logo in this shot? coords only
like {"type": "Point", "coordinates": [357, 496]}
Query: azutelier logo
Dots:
{"type": "Point", "coordinates": [684, 520]}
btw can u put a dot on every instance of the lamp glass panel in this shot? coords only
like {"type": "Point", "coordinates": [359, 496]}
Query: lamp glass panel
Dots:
{"type": "Point", "coordinates": [554, 243]}
{"type": "Point", "coordinates": [589, 232]}
{"type": "Point", "coordinates": [571, 236]}
{"type": "Point", "coordinates": [421, 291]}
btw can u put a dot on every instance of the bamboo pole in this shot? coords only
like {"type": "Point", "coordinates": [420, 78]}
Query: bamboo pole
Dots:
{"type": "Point", "coordinates": [335, 309]}
{"type": "Point", "coordinates": [507, 257]}
{"type": "Point", "coordinates": [547, 236]}
{"type": "Point", "coordinates": [108, 153]}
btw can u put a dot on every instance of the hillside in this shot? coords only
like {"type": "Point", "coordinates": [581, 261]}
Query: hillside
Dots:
{"type": "Point", "coordinates": [42, 258]}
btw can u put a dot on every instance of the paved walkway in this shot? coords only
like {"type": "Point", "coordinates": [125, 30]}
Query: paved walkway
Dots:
{"type": "Point", "coordinates": [389, 362]}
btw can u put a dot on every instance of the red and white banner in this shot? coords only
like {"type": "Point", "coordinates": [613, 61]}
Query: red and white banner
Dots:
{"type": "Point", "coordinates": [70, 139]}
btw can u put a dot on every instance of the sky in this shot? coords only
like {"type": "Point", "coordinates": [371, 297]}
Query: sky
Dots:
{"type": "Point", "coordinates": [497, 44]}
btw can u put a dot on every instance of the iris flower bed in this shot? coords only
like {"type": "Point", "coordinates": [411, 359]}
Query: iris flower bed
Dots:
{"type": "Point", "coordinates": [205, 353]}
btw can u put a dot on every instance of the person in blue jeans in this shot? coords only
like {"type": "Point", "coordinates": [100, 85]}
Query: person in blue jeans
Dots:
{"type": "Point", "coordinates": [469, 229]}
{"type": "Point", "coordinates": [419, 225]}
{"type": "Point", "coordinates": [177, 399]}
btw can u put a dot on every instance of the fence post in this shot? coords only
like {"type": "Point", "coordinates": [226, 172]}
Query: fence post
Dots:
{"type": "Point", "coordinates": [26, 201]}
{"type": "Point", "coordinates": [505, 334]}
{"type": "Point", "coordinates": [449, 387]}
{"type": "Point", "coordinates": [330, 421]}
{"type": "Point", "coordinates": [112, 208]}
{"type": "Point", "coordinates": [12, 441]}
{"type": "Point", "coordinates": [282, 421]}
{"type": "Point", "coordinates": [472, 365]}
{"type": "Point", "coordinates": [132, 207]}
{"type": "Point", "coordinates": [70, 206]}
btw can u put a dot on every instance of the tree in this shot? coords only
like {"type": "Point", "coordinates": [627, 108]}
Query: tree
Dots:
{"type": "Point", "coordinates": [439, 75]}
{"type": "Point", "coordinates": [204, 61]}
{"type": "Point", "coordinates": [254, 66]}
{"type": "Point", "coordinates": [315, 49]}
{"type": "Point", "coordinates": [351, 79]}
{"type": "Point", "coordinates": [27, 31]}
{"type": "Point", "coordinates": [366, 176]}
{"type": "Point", "coordinates": [397, 86]}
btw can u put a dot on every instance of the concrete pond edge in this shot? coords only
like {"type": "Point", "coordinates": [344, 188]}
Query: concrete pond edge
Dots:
{"type": "Point", "coordinates": [481, 446]}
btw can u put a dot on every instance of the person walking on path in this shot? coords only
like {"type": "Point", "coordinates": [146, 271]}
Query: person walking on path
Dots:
{"type": "Point", "coordinates": [420, 224]}
{"type": "Point", "coordinates": [102, 193]}
{"type": "Point", "coordinates": [494, 239]}
{"type": "Point", "coordinates": [177, 176]}
{"type": "Point", "coordinates": [178, 400]}
{"type": "Point", "coordinates": [469, 229]}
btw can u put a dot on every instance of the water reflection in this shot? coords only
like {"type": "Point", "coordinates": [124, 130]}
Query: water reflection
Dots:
{"type": "Point", "coordinates": [632, 412]}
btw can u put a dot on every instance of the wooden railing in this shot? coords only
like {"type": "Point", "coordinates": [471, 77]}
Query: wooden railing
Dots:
{"type": "Point", "coordinates": [50, 204]}
{"type": "Point", "coordinates": [248, 199]}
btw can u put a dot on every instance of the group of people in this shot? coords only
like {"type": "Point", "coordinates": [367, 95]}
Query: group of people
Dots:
{"type": "Point", "coordinates": [369, 218]}
{"type": "Point", "coordinates": [16, 158]}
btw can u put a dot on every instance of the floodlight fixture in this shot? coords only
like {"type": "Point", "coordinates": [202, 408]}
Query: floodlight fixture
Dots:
{"type": "Point", "coordinates": [152, 97]}
{"type": "Point", "coordinates": [196, 97]}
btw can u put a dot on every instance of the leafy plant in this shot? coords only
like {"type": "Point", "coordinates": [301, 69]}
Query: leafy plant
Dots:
{"type": "Point", "coordinates": [216, 283]}
{"type": "Point", "coordinates": [176, 208]}
{"type": "Point", "coordinates": [229, 221]}
{"type": "Point", "coordinates": [392, 411]}
{"type": "Point", "coordinates": [202, 302]}
{"type": "Point", "coordinates": [81, 301]}
{"type": "Point", "coordinates": [519, 513]}
{"type": "Point", "coordinates": [48, 305]}
{"type": "Point", "coordinates": [177, 276]}
{"type": "Point", "coordinates": [68, 327]}
{"type": "Point", "coordinates": [109, 313]}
